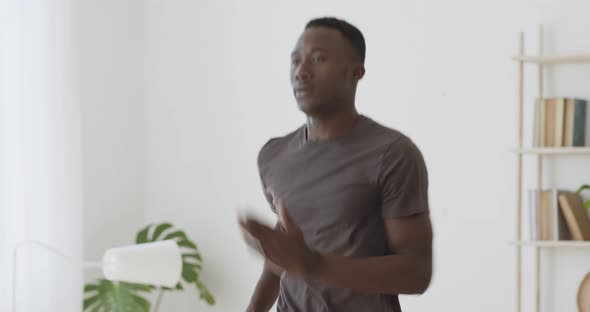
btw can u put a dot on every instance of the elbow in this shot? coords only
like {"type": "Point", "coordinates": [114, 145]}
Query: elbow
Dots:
{"type": "Point", "coordinates": [424, 276]}
{"type": "Point", "coordinates": [419, 286]}
{"type": "Point", "coordinates": [423, 285]}
{"type": "Point", "coordinates": [420, 281]}
{"type": "Point", "coordinates": [423, 281]}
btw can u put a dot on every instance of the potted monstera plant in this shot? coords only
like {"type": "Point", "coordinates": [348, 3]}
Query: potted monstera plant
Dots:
{"type": "Point", "coordinates": [107, 296]}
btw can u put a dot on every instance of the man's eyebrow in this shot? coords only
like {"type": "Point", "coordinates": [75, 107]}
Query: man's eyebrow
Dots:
{"type": "Point", "coordinates": [320, 50]}
{"type": "Point", "coordinates": [312, 51]}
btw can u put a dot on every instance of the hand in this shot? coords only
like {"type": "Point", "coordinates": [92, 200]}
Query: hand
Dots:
{"type": "Point", "coordinates": [284, 248]}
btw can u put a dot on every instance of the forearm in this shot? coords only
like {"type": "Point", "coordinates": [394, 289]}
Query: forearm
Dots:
{"type": "Point", "coordinates": [266, 292]}
{"type": "Point", "coordinates": [394, 274]}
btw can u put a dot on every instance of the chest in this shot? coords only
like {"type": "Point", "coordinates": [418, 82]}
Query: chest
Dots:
{"type": "Point", "coordinates": [325, 191]}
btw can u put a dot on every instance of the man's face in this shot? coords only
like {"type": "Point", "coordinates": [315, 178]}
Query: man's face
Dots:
{"type": "Point", "coordinates": [322, 71]}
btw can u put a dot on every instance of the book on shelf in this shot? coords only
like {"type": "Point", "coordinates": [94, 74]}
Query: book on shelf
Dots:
{"type": "Point", "coordinates": [577, 219]}
{"type": "Point", "coordinates": [547, 221]}
{"type": "Point", "coordinates": [559, 122]}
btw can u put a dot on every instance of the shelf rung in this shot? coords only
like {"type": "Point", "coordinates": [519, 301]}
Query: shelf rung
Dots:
{"type": "Point", "coordinates": [585, 150]}
{"type": "Point", "coordinates": [554, 244]}
{"type": "Point", "coordinates": [553, 59]}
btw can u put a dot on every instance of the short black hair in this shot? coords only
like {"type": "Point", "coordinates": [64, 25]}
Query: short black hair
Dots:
{"type": "Point", "coordinates": [350, 32]}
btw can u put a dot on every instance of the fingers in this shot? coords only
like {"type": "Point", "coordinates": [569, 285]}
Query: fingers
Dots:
{"type": "Point", "coordinates": [255, 228]}
{"type": "Point", "coordinates": [252, 242]}
{"type": "Point", "coordinates": [261, 238]}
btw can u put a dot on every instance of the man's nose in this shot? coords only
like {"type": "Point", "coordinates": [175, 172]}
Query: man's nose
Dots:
{"type": "Point", "coordinates": [302, 73]}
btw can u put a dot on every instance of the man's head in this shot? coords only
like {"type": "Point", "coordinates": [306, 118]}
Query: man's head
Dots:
{"type": "Point", "coordinates": [326, 65]}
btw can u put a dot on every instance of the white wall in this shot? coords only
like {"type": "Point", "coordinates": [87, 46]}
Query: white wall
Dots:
{"type": "Point", "coordinates": [112, 119]}
{"type": "Point", "coordinates": [216, 88]}
{"type": "Point", "coordinates": [112, 115]}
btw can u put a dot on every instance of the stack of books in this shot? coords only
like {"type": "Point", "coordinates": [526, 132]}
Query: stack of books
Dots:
{"type": "Point", "coordinates": [558, 215]}
{"type": "Point", "coordinates": [559, 122]}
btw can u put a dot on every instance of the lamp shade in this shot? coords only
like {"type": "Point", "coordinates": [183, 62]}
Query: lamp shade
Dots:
{"type": "Point", "coordinates": [157, 263]}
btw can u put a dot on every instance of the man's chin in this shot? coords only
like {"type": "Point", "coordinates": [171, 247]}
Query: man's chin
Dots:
{"type": "Point", "coordinates": [310, 108]}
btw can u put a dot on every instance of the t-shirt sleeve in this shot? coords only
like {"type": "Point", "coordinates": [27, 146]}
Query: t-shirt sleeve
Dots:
{"type": "Point", "coordinates": [263, 160]}
{"type": "Point", "coordinates": [403, 180]}
{"type": "Point", "coordinates": [269, 198]}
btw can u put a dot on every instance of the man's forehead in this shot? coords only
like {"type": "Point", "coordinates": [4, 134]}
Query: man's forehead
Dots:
{"type": "Point", "coordinates": [318, 38]}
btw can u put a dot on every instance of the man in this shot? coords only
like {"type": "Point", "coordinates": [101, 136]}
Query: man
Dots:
{"type": "Point", "coordinates": [351, 195]}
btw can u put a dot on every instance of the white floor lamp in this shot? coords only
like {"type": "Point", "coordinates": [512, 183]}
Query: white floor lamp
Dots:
{"type": "Point", "coordinates": [157, 263]}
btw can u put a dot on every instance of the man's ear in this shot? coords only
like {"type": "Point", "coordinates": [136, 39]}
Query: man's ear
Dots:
{"type": "Point", "coordinates": [358, 72]}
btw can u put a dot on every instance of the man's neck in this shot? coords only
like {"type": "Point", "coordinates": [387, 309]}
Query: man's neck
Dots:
{"type": "Point", "coordinates": [330, 127]}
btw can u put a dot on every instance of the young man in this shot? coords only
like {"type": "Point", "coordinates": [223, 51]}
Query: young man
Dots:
{"type": "Point", "coordinates": [351, 195]}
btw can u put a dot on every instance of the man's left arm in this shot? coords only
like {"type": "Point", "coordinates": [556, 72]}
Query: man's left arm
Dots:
{"type": "Point", "coordinates": [403, 179]}
{"type": "Point", "coordinates": [407, 271]}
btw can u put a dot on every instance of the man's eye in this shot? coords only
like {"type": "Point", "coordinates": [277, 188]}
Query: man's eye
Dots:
{"type": "Point", "coordinates": [319, 59]}
{"type": "Point", "coordinates": [295, 62]}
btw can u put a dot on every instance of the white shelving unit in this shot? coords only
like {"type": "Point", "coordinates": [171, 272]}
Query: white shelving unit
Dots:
{"type": "Point", "coordinates": [540, 153]}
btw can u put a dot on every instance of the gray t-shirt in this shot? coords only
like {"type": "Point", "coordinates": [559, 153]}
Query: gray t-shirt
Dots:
{"type": "Point", "coordinates": [339, 192]}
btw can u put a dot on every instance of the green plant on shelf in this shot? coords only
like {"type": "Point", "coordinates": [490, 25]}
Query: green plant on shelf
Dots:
{"type": "Point", "coordinates": [580, 190]}
{"type": "Point", "coordinates": [108, 296]}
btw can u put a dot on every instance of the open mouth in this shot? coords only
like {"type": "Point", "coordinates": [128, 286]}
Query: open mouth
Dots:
{"type": "Point", "coordinates": [302, 92]}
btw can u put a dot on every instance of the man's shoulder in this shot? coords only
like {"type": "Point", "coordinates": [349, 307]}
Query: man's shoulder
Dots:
{"type": "Point", "coordinates": [276, 145]}
{"type": "Point", "coordinates": [387, 137]}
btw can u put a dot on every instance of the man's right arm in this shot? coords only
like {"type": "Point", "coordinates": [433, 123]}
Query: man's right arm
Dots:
{"type": "Point", "coordinates": [267, 288]}
{"type": "Point", "coordinates": [266, 292]}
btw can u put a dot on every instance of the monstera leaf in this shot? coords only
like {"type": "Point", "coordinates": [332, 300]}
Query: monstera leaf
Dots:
{"type": "Point", "coordinates": [582, 188]}
{"type": "Point", "coordinates": [191, 258]}
{"type": "Point", "coordinates": [107, 296]}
